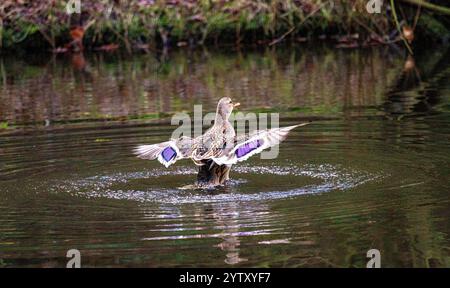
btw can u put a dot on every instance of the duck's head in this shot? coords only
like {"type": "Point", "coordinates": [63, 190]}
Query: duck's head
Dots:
{"type": "Point", "coordinates": [225, 107]}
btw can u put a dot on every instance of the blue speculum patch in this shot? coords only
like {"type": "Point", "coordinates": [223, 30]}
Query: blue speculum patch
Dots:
{"type": "Point", "coordinates": [248, 147]}
{"type": "Point", "coordinates": [168, 154]}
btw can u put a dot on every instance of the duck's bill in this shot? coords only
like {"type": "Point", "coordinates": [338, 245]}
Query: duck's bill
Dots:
{"type": "Point", "coordinates": [236, 104]}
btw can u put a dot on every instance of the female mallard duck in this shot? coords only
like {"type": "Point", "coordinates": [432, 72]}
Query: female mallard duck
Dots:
{"type": "Point", "coordinates": [216, 150]}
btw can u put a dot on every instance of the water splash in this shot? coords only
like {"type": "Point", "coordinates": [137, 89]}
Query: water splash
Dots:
{"type": "Point", "coordinates": [330, 178]}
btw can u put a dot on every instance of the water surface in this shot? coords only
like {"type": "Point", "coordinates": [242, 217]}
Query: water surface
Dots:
{"type": "Point", "coordinates": [370, 171]}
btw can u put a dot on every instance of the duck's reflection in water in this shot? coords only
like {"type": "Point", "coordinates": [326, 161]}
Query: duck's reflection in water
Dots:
{"type": "Point", "coordinates": [230, 221]}
{"type": "Point", "coordinates": [226, 217]}
{"type": "Point", "coordinates": [236, 220]}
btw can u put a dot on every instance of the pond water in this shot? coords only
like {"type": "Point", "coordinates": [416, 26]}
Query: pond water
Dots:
{"type": "Point", "coordinates": [370, 172]}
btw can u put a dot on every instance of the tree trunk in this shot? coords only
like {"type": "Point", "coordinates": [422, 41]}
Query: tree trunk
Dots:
{"type": "Point", "coordinates": [212, 174]}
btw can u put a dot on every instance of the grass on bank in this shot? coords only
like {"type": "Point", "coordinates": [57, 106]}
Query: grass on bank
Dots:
{"type": "Point", "coordinates": [144, 23]}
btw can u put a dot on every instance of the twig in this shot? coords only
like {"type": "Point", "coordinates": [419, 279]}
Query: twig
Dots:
{"type": "Point", "coordinates": [394, 13]}
{"type": "Point", "coordinates": [293, 28]}
{"type": "Point", "coordinates": [366, 27]}
{"type": "Point", "coordinates": [430, 6]}
{"type": "Point", "coordinates": [89, 24]}
{"type": "Point", "coordinates": [416, 18]}
{"type": "Point", "coordinates": [46, 36]}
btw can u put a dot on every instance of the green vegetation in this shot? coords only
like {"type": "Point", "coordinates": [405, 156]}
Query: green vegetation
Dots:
{"type": "Point", "coordinates": [146, 23]}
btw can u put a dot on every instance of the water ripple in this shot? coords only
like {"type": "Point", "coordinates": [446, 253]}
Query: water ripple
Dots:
{"type": "Point", "coordinates": [330, 178]}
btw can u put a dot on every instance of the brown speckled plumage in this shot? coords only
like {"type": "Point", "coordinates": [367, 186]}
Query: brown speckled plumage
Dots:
{"type": "Point", "coordinates": [217, 149]}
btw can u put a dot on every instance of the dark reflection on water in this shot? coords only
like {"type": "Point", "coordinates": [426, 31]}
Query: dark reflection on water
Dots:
{"type": "Point", "coordinates": [104, 86]}
{"type": "Point", "coordinates": [371, 171]}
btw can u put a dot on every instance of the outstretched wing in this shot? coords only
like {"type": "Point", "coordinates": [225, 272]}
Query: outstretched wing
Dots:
{"type": "Point", "coordinates": [255, 143]}
{"type": "Point", "coordinates": [167, 153]}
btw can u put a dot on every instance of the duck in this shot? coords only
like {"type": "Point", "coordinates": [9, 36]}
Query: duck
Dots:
{"type": "Point", "coordinates": [217, 149]}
